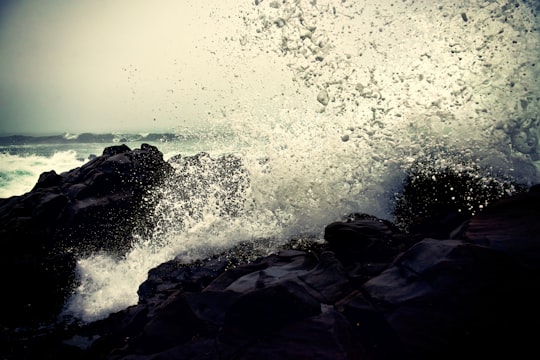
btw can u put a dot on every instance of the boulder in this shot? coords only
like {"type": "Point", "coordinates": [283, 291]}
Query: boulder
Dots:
{"type": "Point", "coordinates": [511, 226]}
{"type": "Point", "coordinates": [442, 296]}
{"type": "Point", "coordinates": [92, 208]}
{"type": "Point", "coordinates": [439, 195]}
{"type": "Point", "coordinates": [364, 237]}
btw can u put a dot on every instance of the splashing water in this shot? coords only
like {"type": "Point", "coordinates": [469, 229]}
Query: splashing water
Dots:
{"type": "Point", "coordinates": [374, 86]}
{"type": "Point", "coordinates": [18, 173]}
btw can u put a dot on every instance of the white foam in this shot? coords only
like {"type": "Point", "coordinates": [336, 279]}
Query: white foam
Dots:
{"type": "Point", "coordinates": [374, 86]}
{"type": "Point", "coordinates": [69, 136]}
{"type": "Point", "coordinates": [21, 172]}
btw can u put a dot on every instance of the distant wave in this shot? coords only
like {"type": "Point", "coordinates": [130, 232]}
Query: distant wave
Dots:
{"type": "Point", "coordinates": [86, 138]}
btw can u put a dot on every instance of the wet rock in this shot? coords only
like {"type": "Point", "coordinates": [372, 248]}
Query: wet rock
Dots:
{"type": "Point", "coordinates": [511, 226]}
{"type": "Point", "coordinates": [370, 291]}
{"type": "Point", "coordinates": [92, 208]}
{"type": "Point", "coordinates": [380, 341]}
{"type": "Point", "coordinates": [436, 199]}
{"type": "Point", "coordinates": [173, 323]}
{"type": "Point", "coordinates": [363, 237]}
{"type": "Point", "coordinates": [435, 299]}
{"type": "Point", "coordinates": [327, 335]}
{"type": "Point", "coordinates": [441, 296]}
{"type": "Point", "coordinates": [265, 310]}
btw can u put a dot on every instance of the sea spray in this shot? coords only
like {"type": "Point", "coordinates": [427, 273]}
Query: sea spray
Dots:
{"type": "Point", "coordinates": [374, 87]}
{"type": "Point", "coordinates": [295, 179]}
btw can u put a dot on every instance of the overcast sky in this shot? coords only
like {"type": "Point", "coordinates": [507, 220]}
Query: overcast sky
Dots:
{"type": "Point", "coordinates": [125, 65]}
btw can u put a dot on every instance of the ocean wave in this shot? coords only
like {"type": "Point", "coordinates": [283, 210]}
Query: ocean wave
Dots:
{"type": "Point", "coordinates": [86, 138]}
{"type": "Point", "coordinates": [19, 173]}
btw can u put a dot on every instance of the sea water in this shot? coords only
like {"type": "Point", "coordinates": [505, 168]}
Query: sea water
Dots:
{"type": "Point", "coordinates": [374, 86]}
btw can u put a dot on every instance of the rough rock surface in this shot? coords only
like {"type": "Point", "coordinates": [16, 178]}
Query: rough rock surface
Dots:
{"type": "Point", "coordinates": [87, 209]}
{"type": "Point", "coordinates": [391, 297]}
{"type": "Point", "coordinates": [368, 291]}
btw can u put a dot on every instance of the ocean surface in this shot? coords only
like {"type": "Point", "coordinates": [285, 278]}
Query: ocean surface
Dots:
{"type": "Point", "coordinates": [376, 86]}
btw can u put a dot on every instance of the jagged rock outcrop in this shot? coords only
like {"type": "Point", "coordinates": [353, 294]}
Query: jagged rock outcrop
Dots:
{"type": "Point", "coordinates": [92, 208]}
{"type": "Point", "coordinates": [393, 296]}
{"type": "Point", "coordinates": [368, 291]}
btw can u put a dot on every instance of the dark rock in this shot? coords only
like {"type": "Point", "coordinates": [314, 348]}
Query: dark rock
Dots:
{"type": "Point", "coordinates": [48, 179]}
{"type": "Point", "coordinates": [174, 275]}
{"type": "Point", "coordinates": [379, 339]}
{"type": "Point", "coordinates": [50, 208]}
{"type": "Point", "coordinates": [445, 297]}
{"type": "Point", "coordinates": [324, 336]}
{"type": "Point", "coordinates": [512, 226]}
{"type": "Point", "coordinates": [441, 299]}
{"type": "Point", "coordinates": [117, 149]}
{"type": "Point", "coordinates": [364, 237]}
{"type": "Point", "coordinates": [535, 188]}
{"type": "Point", "coordinates": [173, 323]}
{"type": "Point", "coordinates": [212, 306]}
{"type": "Point", "coordinates": [265, 310]}
{"type": "Point", "coordinates": [435, 200]}
{"type": "Point", "coordinates": [92, 208]}
{"type": "Point", "coordinates": [371, 291]}
{"type": "Point", "coordinates": [43, 287]}
{"type": "Point", "coordinates": [328, 280]}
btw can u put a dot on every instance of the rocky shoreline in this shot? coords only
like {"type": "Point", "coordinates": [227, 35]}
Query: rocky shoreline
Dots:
{"type": "Point", "coordinates": [444, 289]}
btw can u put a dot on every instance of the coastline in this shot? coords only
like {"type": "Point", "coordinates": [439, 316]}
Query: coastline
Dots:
{"type": "Point", "coordinates": [370, 290]}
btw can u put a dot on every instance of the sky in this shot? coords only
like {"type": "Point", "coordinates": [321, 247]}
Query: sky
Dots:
{"type": "Point", "coordinates": [126, 65]}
